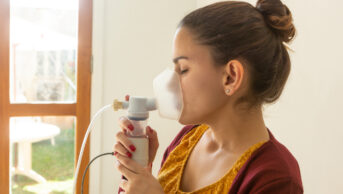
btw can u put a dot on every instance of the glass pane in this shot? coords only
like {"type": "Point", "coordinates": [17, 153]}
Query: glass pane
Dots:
{"type": "Point", "coordinates": [42, 154]}
{"type": "Point", "coordinates": [43, 50]}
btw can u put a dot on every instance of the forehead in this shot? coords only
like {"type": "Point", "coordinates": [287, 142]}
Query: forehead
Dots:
{"type": "Point", "coordinates": [184, 44]}
{"type": "Point", "coordinates": [183, 37]}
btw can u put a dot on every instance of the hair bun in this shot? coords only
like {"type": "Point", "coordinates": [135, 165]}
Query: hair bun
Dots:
{"type": "Point", "coordinates": [278, 17]}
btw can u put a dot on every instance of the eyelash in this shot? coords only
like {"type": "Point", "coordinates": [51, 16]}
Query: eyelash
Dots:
{"type": "Point", "coordinates": [184, 71]}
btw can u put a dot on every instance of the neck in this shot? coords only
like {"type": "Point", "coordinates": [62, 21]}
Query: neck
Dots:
{"type": "Point", "coordinates": [235, 131]}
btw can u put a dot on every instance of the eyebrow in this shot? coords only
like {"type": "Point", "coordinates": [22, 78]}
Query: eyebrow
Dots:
{"type": "Point", "coordinates": [175, 60]}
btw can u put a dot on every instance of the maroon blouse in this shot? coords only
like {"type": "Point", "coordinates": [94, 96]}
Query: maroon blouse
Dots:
{"type": "Point", "coordinates": [270, 169]}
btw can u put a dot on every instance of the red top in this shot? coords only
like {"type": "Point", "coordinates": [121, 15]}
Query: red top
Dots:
{"type": "Point", "coordinates": [270, 169]}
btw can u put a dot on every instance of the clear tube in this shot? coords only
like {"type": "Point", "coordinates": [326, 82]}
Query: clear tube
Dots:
{"type": "Point", "coordinates": [139, 128]}
{"type": "Point", "coordinates": [140, 141]}
{"type": "Point", "coordinates": [89, 129]}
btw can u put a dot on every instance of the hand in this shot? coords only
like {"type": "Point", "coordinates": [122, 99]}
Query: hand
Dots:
{"type": "Point", "coordinates": [139, 178]}
{"type": "Point", "coordinates": [125, 147]}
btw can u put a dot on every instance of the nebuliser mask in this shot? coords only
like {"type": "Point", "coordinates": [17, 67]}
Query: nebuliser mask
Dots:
{"type": "Point", "coordinates": [168, 100]}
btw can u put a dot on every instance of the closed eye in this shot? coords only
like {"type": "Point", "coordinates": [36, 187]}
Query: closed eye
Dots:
{"type": "Point", "coordinates": [184, 71]}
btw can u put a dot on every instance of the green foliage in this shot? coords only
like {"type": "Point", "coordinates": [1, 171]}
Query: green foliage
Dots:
{"type": "Point", "coordinates": [54, 162]}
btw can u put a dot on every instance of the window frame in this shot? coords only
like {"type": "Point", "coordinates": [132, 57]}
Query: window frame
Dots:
{"type": "Point", "coordinates": [80, 109]}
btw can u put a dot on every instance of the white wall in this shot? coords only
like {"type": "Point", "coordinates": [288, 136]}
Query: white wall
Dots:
{"type": "Point", "coordinates": [307, 119]}
{"type": "Point", "coordinates": [132, 44]}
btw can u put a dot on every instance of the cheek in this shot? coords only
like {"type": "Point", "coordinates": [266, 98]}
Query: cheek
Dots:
{"type": "Point", "coordinates": [201, 96]}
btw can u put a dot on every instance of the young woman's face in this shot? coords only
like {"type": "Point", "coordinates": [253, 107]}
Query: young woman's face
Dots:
{"type": "Point", "coordinates": [201, 82]}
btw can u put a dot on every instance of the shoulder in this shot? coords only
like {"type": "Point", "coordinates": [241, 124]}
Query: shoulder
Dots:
{"type": "Point", "coordinates": [271, 168]}
{"type": "Point", "coordinates": [176, 141]}
{"type": "Point", "coordinates": [286, 185]}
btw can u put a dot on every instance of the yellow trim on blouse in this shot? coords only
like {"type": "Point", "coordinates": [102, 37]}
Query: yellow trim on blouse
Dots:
{"type": "Point", "coordinates": [171, 172]}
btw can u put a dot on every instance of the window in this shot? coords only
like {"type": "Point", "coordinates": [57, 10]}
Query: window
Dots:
{"type": "Point", "coordinates": [45, 79]}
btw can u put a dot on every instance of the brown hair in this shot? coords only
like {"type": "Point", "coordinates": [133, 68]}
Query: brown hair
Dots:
{"type": "Point", "coordinates": [252, 35]}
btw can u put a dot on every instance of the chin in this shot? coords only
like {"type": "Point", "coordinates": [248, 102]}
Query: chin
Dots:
{"type": "Point", "coordinates": [188, 120]}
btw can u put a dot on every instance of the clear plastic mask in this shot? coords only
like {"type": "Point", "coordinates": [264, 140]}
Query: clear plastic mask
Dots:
{"type": "Point", "coordinates": [168, 94]}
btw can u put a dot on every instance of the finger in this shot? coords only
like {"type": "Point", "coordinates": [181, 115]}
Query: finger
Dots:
{"type": "Point", "coordinates": [153, 143]}
{"type": "Point", "coordinates": [129, 166]}
{"type": "Point", "coordinates": [119, 148]}
{"type": "Point", "coordinates": [123, 184]}
{"type": "Point", "coordinates": [124, 140]}
{"type": "Point", "coordinates": [124, 123]}
{"type": "Point", "coordinates": [149, 167]}
{"type": "Point", "coordinates": [153, 138]}
{"type": "Point", "coordinates": [125, 171]}
{"type": "Point", "coordinates": [152, 134]}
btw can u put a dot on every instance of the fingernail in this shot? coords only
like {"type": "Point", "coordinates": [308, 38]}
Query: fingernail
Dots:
{"type": "Point", "coordinates": [127, 97]}
{"type": "Point", "coordinates": [150, 130]}
{"type": "Point", "coordinates": [129, 154]}
{"type": "Point", "coordinates": [132, 148]}
{"type": "Point", "coordinates": [115, 153]}
{"type": "Point", "coordinates": [130, 127]}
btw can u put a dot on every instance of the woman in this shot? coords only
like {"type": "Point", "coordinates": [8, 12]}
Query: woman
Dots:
{"type": "Point", "coordinates": [232, 60]}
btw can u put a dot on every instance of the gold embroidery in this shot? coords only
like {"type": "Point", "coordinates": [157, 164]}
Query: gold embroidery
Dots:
{"type": "Point", "coordinates": [172, 169]}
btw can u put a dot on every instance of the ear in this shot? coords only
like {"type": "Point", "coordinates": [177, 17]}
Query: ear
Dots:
{"type": "Point", "coordinates": [233, 76]}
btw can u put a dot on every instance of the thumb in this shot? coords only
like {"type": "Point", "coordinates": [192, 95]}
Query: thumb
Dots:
{"type": "Point", "coordinates": [149, 167]}
{"type": "Point", "coordinates": [153, 142]}
{"type": "Point", "coordinates": [152, 134]}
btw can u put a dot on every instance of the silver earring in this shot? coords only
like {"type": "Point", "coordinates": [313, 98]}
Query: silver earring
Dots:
{"type": "Point", "coordinates": [227, 91]}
